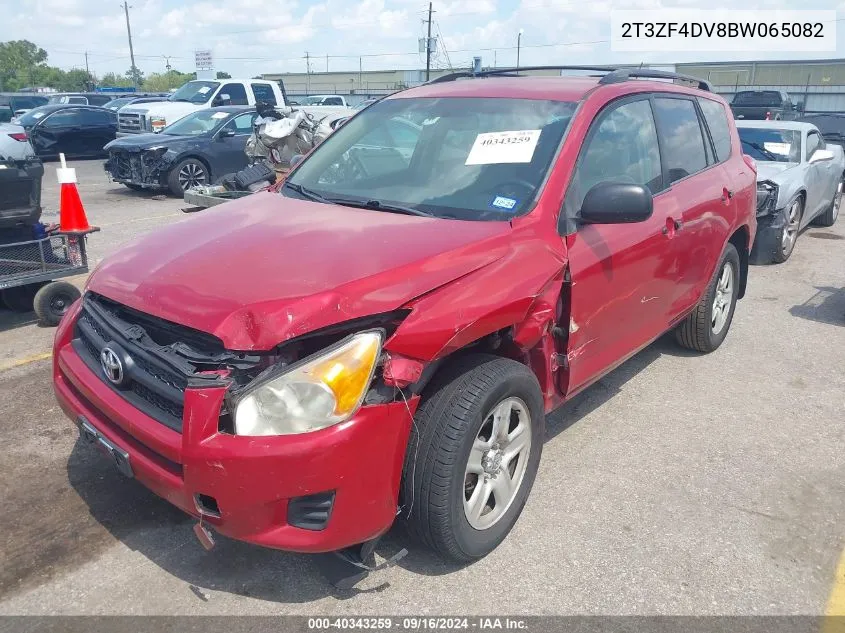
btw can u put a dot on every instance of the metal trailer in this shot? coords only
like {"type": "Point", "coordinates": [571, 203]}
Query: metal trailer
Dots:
{"type": "Point", "coordinates": [29, 272]}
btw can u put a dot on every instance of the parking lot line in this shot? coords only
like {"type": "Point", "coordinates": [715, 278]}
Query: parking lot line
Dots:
{"type": "Point", "coordinates": [26, 360]}
{"type": "Point", "coordinates": [835, 610]}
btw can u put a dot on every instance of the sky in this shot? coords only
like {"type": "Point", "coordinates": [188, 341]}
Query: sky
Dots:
{"type": "Point", "coordinates": [250, 37]}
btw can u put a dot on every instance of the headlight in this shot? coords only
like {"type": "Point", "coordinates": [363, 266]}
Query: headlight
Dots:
{"type": "Point", "coordinates": [157, 123]}
{"type": "Point", "coordinates": [767, 197]}
{"type": "Point", "coordinates": [324, 390]}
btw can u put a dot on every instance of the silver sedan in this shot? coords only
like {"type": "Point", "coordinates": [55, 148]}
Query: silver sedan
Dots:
{"type": "Point", "coordinates": [799, 181]}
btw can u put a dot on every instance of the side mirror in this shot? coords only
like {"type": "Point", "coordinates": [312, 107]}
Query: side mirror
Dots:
{"type": "Point", "coordinates": [296, 159]}
{"type": "Point", "coordinates": [226, 132]}
{"type": "Point", "coordinates": [821, 155]}
{"type": "Point", "coordinates": [616, 203]}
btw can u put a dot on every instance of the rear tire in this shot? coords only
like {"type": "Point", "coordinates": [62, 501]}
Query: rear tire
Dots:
{"type": "Point", "coordinates": [20, 298]}
{"type": "Point", "coordinates": [828, 218]}
{"type": "Point", "coordinates": [52, 301]}
{"type": "Point", "coordinates": [472, 456]}
{"type": "Point", "coordinates": [188, 173]}
{"type": "Point", "coordinates": [706, 327]}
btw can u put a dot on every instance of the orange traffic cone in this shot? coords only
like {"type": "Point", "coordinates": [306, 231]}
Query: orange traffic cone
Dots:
{"type": "Point", "coordinates": [71, 213]}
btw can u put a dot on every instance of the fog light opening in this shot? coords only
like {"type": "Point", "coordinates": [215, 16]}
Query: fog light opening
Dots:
{"type": "Point", "coordinates": [207, 506]}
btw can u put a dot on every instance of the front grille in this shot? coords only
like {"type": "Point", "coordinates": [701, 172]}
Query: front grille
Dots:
{"type": "Point", "coordinates": [150, 384]}
{"type": "Point", "coordinates": [125, 165]}
{"type": "Point", "coordinates": [130, 123]}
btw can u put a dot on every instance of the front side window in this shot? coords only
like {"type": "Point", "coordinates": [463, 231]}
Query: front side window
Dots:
{"type": "Point", "coordinates": [621, 148]}
{"type": "Point", "coordinates": [717, 122]}
{"type": "Point", "coordinates": [465, 158]}
{"type": "Point", "coordinates": [680, 131]}
{"type": "Point", "coordinates": [813, 143]}
{"type": "Point", "coordinates": [242, 124]}
{"type": "Point", "coordinates": [236, 92]}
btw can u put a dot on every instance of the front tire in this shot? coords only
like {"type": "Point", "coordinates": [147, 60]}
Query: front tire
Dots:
{"type": "Point", "coordinates": [472, 456]}
{"type": "Point", "coordinates": [789, 233]}
{"type": "Point", "coordinates": [187, 174]}
{"type": "Point", "coordinates": [706, 327]}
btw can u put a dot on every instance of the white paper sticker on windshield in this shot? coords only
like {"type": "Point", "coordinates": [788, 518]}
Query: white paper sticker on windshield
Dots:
{"type": "Point", "coordinates": [777, 148]}
{"type": "Point", "coordinates": [203, 90]}
{"type": "Point", "coordinates": [220, 115]}
{"type": "Point", "coordinates": [37, 115]}
{"type": "Point", "coordinates": [493, 148]}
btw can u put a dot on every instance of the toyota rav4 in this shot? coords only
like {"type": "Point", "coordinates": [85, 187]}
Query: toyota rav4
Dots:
{"type": "Point", "coordinates": [380, 338]}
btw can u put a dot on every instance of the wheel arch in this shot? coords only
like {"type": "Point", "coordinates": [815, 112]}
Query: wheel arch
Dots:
{"type": "Point", "coordinates": [741, 241]}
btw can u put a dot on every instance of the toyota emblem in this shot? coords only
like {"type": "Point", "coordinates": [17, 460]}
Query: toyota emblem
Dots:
{"type": "Point", "coordinates": [112, 366]}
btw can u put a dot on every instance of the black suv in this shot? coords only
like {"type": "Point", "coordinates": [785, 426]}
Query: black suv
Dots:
{"type": "Point", "coordinates": [11, 102]}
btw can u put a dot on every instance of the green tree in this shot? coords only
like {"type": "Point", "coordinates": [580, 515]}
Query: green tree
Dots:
{"type": "Point", "coordinates": [19, 60]}
{"type": "Point", "coordinates": [135, 75]}
{"type": "Point", "coordinates": [222, 75]}
{"type": "Point", "coordinates": [162, 82]}
{"type": "Point", "coordinates": [113, 80]}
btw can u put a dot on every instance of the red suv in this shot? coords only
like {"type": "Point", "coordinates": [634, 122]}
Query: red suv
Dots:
{"type": "Point", "coordinates": [382, 337]}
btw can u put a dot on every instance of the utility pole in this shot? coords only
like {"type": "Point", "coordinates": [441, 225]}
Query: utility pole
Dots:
{"type": "Point", "coordinates": [327, 62]}
{"type": "Point", "coordinates": [131, 51]}
{"type": "Point", "coordinates": [360, 73]}
{"type": "Point", "coordinates": [88, 85]}
{"type": "Point", "coordinates": [428, 46]}
{"type": "Point", "coordinates": [518, 43]}
{"type": "Point", "coordinates": [166, 63]}
{"type": "Point", "coordinates": [307, 73]}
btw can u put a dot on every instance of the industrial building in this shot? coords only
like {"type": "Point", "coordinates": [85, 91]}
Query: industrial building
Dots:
{"type": "Point", "coordinates": [819, 84]}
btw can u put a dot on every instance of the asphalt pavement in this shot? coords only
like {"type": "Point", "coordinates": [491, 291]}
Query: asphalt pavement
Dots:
{"type": "Point", "coordinates": [678, 484]}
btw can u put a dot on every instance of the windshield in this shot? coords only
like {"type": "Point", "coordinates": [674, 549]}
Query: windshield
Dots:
{"type": "Point", "coordinates": [197, 123]}
{"type": "Point", "coordinates": [465, 158]}
{"type": "Point", "coordinates": [32, 117]}
{"type": "Point", "coordinates": [781, 146]}
{"type": "Point", "coordinates": [115, 104]}
{"type": "Point", "coordinates": [195, 91]}
{"type": "Point", "coordinates": [758, 98]}
{"type": "Point", "coordinates": [312, 100]}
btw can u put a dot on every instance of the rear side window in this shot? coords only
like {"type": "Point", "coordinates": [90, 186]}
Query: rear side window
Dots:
{"type": "Point", "coordinates": [622, 149]}
{"type": "Point", "coordinates": [95, 117]}
{"type": "Point", "coordinates": [264, 93]}
{"type": "Point", "coordinates": [78, 100]}
{"type": "Point", "coordinates": [680, 131]}
{"type": "Point", "coordinates": [236, 92]}
{"type": "Point", "coordinates": [717, 122]}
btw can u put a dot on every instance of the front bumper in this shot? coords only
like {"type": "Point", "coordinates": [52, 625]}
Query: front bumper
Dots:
{"type": "Point", "coordinates": [135, 168]}
{"type": "Point", "coordinates": [769, 232]}
{"type": "Point", "coordinates": [252, 479]}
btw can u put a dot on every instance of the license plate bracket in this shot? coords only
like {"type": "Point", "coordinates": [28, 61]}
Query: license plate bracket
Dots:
{"type": "Point", "coordinates": [117, 455]}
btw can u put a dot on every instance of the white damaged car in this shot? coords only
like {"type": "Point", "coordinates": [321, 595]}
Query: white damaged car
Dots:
{"type": "Point", "coordinates": [799, 181]}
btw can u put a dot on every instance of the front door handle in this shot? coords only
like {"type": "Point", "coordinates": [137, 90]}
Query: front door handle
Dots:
{"type": "Point", "coordinates": [678, 225]}
{"type": "Point", "coordinates": [727, 194]}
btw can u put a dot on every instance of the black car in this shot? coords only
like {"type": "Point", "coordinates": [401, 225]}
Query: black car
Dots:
{"type": "Point", "coordinates": [83, 98]}
{"type": "Point", "coordinates": [11, 102]}
{"type": "Point", "coordinates": [80, 131]}
{"type": "Point", "coordinates": [117, 104]}
{"type": "Point", "coordinates": [193, 151]}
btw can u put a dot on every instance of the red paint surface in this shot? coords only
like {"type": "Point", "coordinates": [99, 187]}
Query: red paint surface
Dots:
{"type": "Point", "coordinates": [266, 268]}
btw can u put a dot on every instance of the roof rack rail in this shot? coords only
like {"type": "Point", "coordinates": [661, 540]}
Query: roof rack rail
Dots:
{"type": "Point", "coordinates": [514, 72]}
{"type": "Point", "coordinates": [613, 74]}
{"type": "Point", "coordinates": [624, 74]}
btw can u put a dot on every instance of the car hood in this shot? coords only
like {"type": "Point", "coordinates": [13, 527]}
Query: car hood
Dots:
{"type": "Point", "coordinates": [145, 141]}
{"type": "Point", "coordinates": [171, 110]}
{"type": "Point", "coordinates": [261, 270]}
{"type": "Point", "coordinates": [770, 170]}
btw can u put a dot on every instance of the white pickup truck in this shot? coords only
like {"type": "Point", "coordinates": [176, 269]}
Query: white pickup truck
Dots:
{"type": "Point", "coordinates": [201, 94]}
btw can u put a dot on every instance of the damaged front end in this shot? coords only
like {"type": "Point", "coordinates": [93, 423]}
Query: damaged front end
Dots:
{"type": "Point", "coordinates": [144, 167]}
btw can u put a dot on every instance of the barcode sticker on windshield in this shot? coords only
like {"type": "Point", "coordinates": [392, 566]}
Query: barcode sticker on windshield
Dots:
{"type": "Point", "coordinates": [493, 148]}
{"type": "Point", "coordinates": [204, 90]}
{"type": "Point", "coordinates": [777, 148]}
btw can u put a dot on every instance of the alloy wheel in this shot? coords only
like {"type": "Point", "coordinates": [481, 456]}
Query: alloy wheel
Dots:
{"type": "Point", "coordinates": [723, 298]}
{"type": "Point", "coordinates": [790, 231]}
{"type": "Point", "coordinates": [497, 463]}
{"type": "Point", "coordinates": [191, 175]}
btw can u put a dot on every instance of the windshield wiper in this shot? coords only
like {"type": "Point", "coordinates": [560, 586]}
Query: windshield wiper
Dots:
{"type": "Point", "coordinates": [376, 205]}
{"type": "Point", "coordinates": [311, 195]}
{"type": "Point", "coordinates": [771, 155]}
